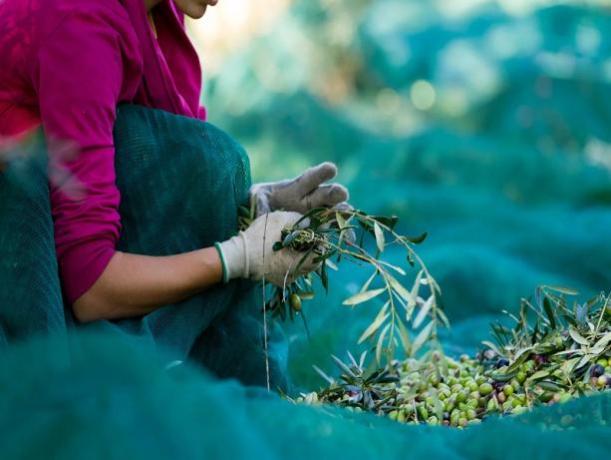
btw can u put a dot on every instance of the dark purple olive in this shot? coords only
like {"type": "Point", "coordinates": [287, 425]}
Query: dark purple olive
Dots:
{"type": "Point", "coordinates": [540, 359]}
{"type": "Point", "coordinates": [597, 370]}
{"type": "Point", "coordinates": [502, 362]}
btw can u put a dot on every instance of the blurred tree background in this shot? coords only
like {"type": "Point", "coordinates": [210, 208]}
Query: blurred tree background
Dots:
{"type": "Point", "coordinates": [484, 123]}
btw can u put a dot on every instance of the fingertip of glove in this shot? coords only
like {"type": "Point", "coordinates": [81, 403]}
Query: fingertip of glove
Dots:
{"type": "Point", "coordinates": [327, 170]}
{"type": "Point", "coordinates": [339, 193]}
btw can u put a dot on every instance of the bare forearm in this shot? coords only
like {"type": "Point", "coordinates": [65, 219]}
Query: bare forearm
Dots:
{"type": "Point", "coordinates": [133, 285]}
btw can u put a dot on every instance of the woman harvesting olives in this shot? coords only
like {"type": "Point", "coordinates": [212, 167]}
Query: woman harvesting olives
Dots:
{"type": "Point", "coordinates": [68, 66]}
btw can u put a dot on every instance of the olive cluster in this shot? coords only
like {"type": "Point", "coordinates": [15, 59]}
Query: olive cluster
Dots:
{"type": "Point", "coordinates": [301, 239]}
{"type": "Point", "coordinates": [439, 390]}
{"type": "Point", "coordinates": [471, 390]}
{"type": "Point", "coordinates": [464, 396]}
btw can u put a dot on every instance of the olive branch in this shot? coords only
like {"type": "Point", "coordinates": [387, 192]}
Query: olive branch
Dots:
{"type": "Point", "coordinates": [329, 236]}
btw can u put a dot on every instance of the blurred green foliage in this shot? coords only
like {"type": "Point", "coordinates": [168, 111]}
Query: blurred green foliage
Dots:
{"type": "Point", "coordinates": [488, 129]}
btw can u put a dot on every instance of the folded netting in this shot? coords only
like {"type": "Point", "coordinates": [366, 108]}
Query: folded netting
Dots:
{"type": "Point", "coordinates": [182, 182]}
{"type": "Point", "coordinates": [114, 401]}
{"type": "Point", "coordinates": [30, 294]}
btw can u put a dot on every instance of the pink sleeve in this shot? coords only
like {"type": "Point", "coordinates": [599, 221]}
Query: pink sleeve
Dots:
{"type": "Point", "coordinates": [202, 113]}
{"type": "Point", "coordinates": [79, 82]}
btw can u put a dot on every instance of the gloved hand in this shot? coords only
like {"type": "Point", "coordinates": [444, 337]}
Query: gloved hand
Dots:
{"type": "Point", "coordinates": [302, 193]}
{"type": "Point", "coordinates": [250, 254]}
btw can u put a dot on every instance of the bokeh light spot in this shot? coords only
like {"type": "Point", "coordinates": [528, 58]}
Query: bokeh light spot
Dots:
{"type": "Point", "coordinates": [422, 94]}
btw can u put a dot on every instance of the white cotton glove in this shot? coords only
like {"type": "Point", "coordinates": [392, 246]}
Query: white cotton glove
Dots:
{"type": "Point", "coordinates": [250, 254]}
{"type": "Point", "coordinates": [301, 194]}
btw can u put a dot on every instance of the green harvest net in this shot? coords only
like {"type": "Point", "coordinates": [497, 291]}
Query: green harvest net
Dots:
{"type": "Point", "coordinates": [113, 400]}
{"type": "Point", "coordinates": [30, 298]}
{"type": "Point", "coordinates": [514, 192]}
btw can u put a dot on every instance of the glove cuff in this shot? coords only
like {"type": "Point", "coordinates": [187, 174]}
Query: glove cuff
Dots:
{"type": "Point", "coordinates": [234, 258]}
{"type": "Point", "coordinates": [219, 249]}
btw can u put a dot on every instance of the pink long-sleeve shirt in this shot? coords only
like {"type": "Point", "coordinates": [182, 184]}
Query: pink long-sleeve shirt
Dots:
{"type": "Point", "coordinates": [65, 65]}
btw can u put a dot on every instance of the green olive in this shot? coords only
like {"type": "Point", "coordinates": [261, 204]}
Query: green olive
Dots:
{"type": "Point", "coordinates": [485, 388]}
{"type": "Point", "coordinates": [295, 301]}
{"type": "Point", "coordinates": [601, 382]}
{"type": "Point", "coordinates": [407, 409]}
{"type": "Point", "coordinates": [423, 413]}
{"type": "Point", "coordinates": [472, 403]}
{"type": "Point", "coordinates": [546, 397]}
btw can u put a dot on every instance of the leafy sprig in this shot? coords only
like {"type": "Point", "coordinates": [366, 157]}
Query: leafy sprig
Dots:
{"type": "Point", "coordinates": [333, 236]}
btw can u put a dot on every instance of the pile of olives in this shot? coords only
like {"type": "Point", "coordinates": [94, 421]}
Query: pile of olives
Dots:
{"type": "Point", "coordinates": [439, 390]}
{"type": "Point", "coordinates": [469, 391]}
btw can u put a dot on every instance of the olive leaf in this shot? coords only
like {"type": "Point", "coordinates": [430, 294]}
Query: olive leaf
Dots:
{"type": "Point", "coordinates": [341, 222]}
{"type": "Point", "coordinates": [539, 375]}
{"type": "Point", "coordinates": [365, 286]}
{"type": "Point", "coordinates": [363, 297]}
{"type": "Point", "coordinates": [380, 343]}
{"type": "Point", "coordinates": [404, 337]}
{"type": "Point", "coordinates": [379, 234]}
{"type": "Point", "coordinates": [577, 337]}
{"type": "Point", "coordinates": [550, 314]}
{"type": "Point", "coordinates": [377, 322]}
{"type": "Point", "coordinates": [424, 310]}
{"type": "Point", "coordinates": [562, 290]}
{"type": "Point", "coordinates": [602, 343]}
{"type": "Point", "coordinates": [416, 239]}
{"type": "Point", "coordinates": [422, 337]}
{"type": "Point", "coordinates": [331, 265]}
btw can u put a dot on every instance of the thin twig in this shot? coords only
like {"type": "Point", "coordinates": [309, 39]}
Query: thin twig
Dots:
{"type": "Point", "coordinates": [265, 331]}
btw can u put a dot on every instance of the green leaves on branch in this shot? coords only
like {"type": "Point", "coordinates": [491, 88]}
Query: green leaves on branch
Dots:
{"type": "Point", "coordinates": [334, 236]}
